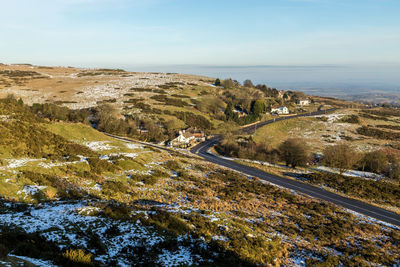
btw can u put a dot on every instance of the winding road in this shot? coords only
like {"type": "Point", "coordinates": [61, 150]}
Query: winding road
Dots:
{"type": "Point", "coordinates": [313, 191]}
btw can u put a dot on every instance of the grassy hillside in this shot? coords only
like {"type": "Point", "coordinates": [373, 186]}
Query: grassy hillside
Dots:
{"type": "Point", "coordinates": [364, 130]}
{"type": "Point", "coordinates": [161, 103]}
{"type": "Point", "coordinates": [91, 200]}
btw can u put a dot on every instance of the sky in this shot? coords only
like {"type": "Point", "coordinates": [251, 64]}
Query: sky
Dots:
{"type": "Point", "coordinates": [207, 32]}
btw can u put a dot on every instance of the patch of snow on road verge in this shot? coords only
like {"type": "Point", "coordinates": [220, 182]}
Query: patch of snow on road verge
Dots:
{"type": "Point", "coordinates": [351, 173]}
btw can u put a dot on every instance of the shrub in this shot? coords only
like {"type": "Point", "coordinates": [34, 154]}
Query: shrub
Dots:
{"type": "Point", "coordinates": [169, 222]}
{"type": "Point", "coordinates": [116, 211]}
{"type": "Point", "coordinates": [377, 133]}
{"type": "Point", "coordinates": [194, 120]}
{"type": "Point", "coordinates": [99, 166]}
{"type": "Point", "coordinates": [78, 256]}
{"type": "Point", "coordinates": [375, 161]}
{"type": "Point", "coordinates": [351, 119]}
{"type": "Point", "coordinates": [378, 191]}
{"type": "Point", "coordinates": [294, 152]}
{"type": "Point", "coordinates": [114, 187]}
{"type": "Point", "coordinates": [172, 165]}
{"type": "Point", "coordinates": [340, 156]}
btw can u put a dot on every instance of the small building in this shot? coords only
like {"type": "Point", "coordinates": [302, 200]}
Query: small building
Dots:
{"type": "Point", "coordinates": [197, 133]}
{"type": "Point", "coordinates": [280, 111]}
{"type": "Point", "coordinates": [182, 140]}
{"type": "Point", "coordinates": [303, 102]}
{"type": "Point", "coordinates": [187, 137]}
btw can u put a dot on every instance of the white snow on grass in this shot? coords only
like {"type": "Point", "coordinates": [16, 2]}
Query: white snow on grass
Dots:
{"type": "Point", "coordinates": [331, 117]}
{"type": "Point", "coordinates": [297, 262]}
{"type": "Point", "coordinates": [99, 145]}
{"type": "Point", "coordinates": [30, 190]}
{"type": "Point", "coordinates": [17, 163]}
{"type": "Point", "coordinates": [35, 262]}
{"type": "Point", "coordinates": [351, 173]}
{"type": "Point", "coordinates": [134, 146]}
{"type": "Point", "coordinates": [130, 155]}
{"type": "Point", "coordinates": [97, 187]}
{"type": "Point", "coordinates": [220, 238]}
{"type": "Point", "coordinates": [181, 257]}
{"type": "Point", "coordinates": [70, 223]}
{"type": "Point", "coordinates": [5, 264]}
{"type": "Point", "coordinates": [49, 165]}
{"type": "Point", "coordinates": [88, 211]}
{"type": "Point", "coordinates": [371, 220]}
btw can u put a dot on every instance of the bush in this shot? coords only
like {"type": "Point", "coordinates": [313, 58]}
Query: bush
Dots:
{"type": "Point", "coordinates": [294, 152]}
{"type": "Point", "coordinates": [247, 150]}
{"type": "Point", "coordinates": [114, 187]}
{"type": "Point", "coordinates": [377, 133]}
{"type": "Point", "coordinates": [351, 119]}
{"type": "Point", "coordinates": [169, 222]}
{"type": "Point", "coordinates": [172, 165]}
{"type": "Point", "coordinates": [378, 191]}
{"type": "Point", "coordinates": [117, 211]}
{"type": "Point", "coordinates": [375, 161]}
{"type": "Point", "coordinates": [193, 120]}
{"type": "Point", "coordinates": [55, 112]}
{"type": "Point", "coordinates": [99, 166]}
{"type": "Point", "coordinates": [340, 156]}
{"type": "Point", "coordinates": [169, 101]}
{"type": "Point", "coordinates": [78, 256]}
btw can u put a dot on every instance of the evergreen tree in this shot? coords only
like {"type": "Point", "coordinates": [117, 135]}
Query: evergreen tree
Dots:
{"type": "Point", "coordinates": [258, 107]}
{"type": "Point", "coordinates": [229, 114]}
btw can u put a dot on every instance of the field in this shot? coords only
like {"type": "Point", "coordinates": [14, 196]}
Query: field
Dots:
{"type": "Point", "coordinates": [157, 96]}
{"type": "Point", "coordinates": [325, 130]}
{"type": "Point", "coordinates": [90, 199]}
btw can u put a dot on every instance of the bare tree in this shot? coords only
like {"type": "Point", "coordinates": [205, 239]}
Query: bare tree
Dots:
{"type": "Point", "coordinates": [294, 152]}
{"type": "Point", "coordinates": [340, 156]}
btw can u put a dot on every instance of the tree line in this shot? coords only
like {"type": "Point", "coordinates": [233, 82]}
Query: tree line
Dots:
{"type": "Point", "coordinates": [295, 152]}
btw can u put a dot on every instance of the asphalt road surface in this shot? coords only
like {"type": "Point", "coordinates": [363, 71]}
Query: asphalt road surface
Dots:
{"type": "Point", "coordinates": [313, 191]}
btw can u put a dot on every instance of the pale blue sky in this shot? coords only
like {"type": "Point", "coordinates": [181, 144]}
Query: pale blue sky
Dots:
{"type": "Point", "coordinates": [214, 32]}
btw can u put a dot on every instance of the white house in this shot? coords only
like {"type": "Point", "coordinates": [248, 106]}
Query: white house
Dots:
{"type": "Point", "coordinates": [303, 102]}
{"type": "Point", "coordinates": [183, 139]}
{"type": "Point", "coordinates": [188, 137]}
{"type": "Point", "coordinates": [280, 110]}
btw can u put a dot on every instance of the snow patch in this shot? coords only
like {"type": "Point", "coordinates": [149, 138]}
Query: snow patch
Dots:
{"type": "Point", "coordinates": [351, 173]}
{"type": "Point", "coordinates": [99, 145]}
{"type": "Point", "coordinates": [30, 190]}
{"type": "Point", "coordinates": [134, 146]}
{"type": "Point", "coordinates": [36, 262]}
{"type": "Point", "coordinates": [181, 257]}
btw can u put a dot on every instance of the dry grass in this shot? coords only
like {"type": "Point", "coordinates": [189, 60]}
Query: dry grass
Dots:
{"type": "Point", "coordinates": [320, 133]}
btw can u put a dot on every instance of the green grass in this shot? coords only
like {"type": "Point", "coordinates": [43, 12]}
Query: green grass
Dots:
{"type": "Point", "coordinates": [77, 132]}
{"type": "Point", "coordinates": [273, 134]}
